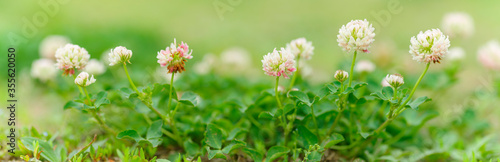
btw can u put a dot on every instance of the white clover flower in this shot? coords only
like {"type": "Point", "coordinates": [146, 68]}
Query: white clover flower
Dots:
{"type": "Point", "coordinates": [395, 80]}
{"type": "Point", "coordinates": [458, 24]}
{"type": "Point", "coordinates": [84, 79]}
{"type": "Point", "coordinates": [95, 67]}
{"type": "Point", "coordinates": [119, 55]}
{"type": "Point", "coordinates": [279, 63]}
{"type": "Point", "coordinates": [174, 57]}
{"type": "Point", "coordinates": [384, 83]}
{"type": "Point", "coordinates": [43, 69]}
{"type": "Point", "coordinates": [341, 75]}
{"type": "Point", "coordinates": [50, 44]}
{"type": "Point", "coordinates": [364, 66]}
{"type": "Point", "coordinates": [301, 48]}
{"type": "Point", "coordinates": [206, 64]}
{"type": "Point", "coordinates": [489, 55]}
{"type": "Point", "coordinates": [357, 35]}
{"type": "Point", "coordinates": [455, 53]}
{"type": "Point", "coordinates": [235, 59]}
{"type": "Point", "coordinates": [429, 46]}
{"type": "Point", "coordinates": [71, 57]}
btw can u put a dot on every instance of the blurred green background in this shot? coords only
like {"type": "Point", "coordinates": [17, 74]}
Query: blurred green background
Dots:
{"type": "Point", "coordinates": [259, 26]}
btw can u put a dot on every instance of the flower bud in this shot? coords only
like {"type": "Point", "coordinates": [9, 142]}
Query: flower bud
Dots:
{"type": "Point", "coordinates": [341, 75]}
{"type": "Point", "coordinates": [395, 80]}
{"type": "Point", "coordinates": [84, 79]}
{"type": "Point", "coordinates": [119, 55]}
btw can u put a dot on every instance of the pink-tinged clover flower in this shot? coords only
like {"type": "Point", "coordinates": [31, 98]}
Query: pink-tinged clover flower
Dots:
{"type": "Point", "coordinates": [71, 57]}
{"type": "Point", "coordinates": [357, 35]}
{"type": "Point", "coordinates": [489, 55]}
{"type": "Point", "coordinates": [429, 46]}
{"type": "Point", "coordinates": [279, 63]}
{"type": "Point", "coordinates": [174, 57]}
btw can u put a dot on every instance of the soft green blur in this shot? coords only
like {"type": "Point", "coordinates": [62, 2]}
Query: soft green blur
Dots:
{"type": "Point", "coordinates": [258, 26]}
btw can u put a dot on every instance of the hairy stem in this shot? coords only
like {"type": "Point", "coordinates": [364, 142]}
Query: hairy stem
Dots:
{"type": "Point", "coordinates": [399, 110]}
{"type": "Point", "coordinates": [171, 93]}
{"type": "Point", "coordinates": [352, 68]}
{"type": "Point", "coordinates": [296, 73]}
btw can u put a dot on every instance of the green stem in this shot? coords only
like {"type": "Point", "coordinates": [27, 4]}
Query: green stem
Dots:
{"type": "Point", "coordinates": [171, 93]}
{"type": "Point", "coordinates": [399, 110]}
{"type": "Point", "coordinates": [283, 118]}
{"type": "Point", "coordinates": [335, 122]}
{"type": "Point", "coordinates": [296, 73]}
{"type": "Point", "coordinates": [352, 68]}
{"type": "Point", "coordinates": [95, 115]}
{"type": "Point", "coordinates": [174, 127]}
{"type": "Point", "coordinates": [130, 80]}
{"type": "Point", "coordinates": [140, 97]}
{"type": "Point", "coordinates": [315, 123]}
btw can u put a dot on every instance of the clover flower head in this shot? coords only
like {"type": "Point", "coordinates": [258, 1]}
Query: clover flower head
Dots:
{"type": "Point", "coordinates": [429, 46]}
{"type": "Point", "coordinates": [174, 57]}
{"type": "Point", "coordinates": [43, 69]}
{"type": "Point", "coordinates": [235, 59]}
{"type": "Point", "coordinates": [455, 53]}
{"type": "Point", "coordinates": [279, 63]}
{"type": "Point", "coordinates": [489, 55]}
{"type": "Point", "coordinates": [301, 48]}
{"type": "Point", "coordinates": [50, 44]}
{"type": "Point", "coordinates": [119, 55]}
{"type": "Point", "coordinates": [395, 80]}
{"type": "Point", "coordinates": [84, 79]}
{"type": "Point", "coordinates": [341, 75]}
{"type": "Point", "coordinates": [364, 66]}
{"type": "Point", "coordinates": [458, 24]}
{"type": "Point", "coordinates": [71, 57]}
{"type": "Point", "coordinates": [95, 67]}
{"type": "Point", "coordinates": [206, 65]}
{"type": "Point", "coordinates": [384, 83]}
{"type": "Point", "coordinates": [357, 35]}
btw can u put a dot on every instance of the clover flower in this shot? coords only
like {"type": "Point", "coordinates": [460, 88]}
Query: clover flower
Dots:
{"type": "Point", "coordinates": [395, 80]}
{"type": "Point", "coordinates": [43, 69]}
{"type": "Point", "coordinates": [279, 63]}
{"type": "Point", "coordinates": [174, 57]}
{"type": "Point", "coordinates": [206, 64]}
{"type": "Point", "coordinates": [357, 35]}
{"type": "Point", "coordinates": [384, 83]}
{"type": "Point", "coordinates": [341, 75]}
{"type": "Point", "coordinates": [364, 66]}
{"type": "Point", "coordinates": [71, 57]}
{"type": "Point", "coordinates": [489, 55]}
{"type": "Point", "coordinates": [235, 60]}
{"type": "Point", "coordinates": [458, 24]}
{"type": "Point", "coordinates": [95, 67]}
{"type": "Point", "coordinates": [455, 53]}
{"type": "Point", "coordinates": [429, 46]}
{"type": "Point", "coordinates": [50, 44]}
{"type": "Point", "coordinates": [84, 79]}
{"type": "Point", "coordinates": [301, 48]}
{"type": "Point", "coordinates": [119, 55]}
